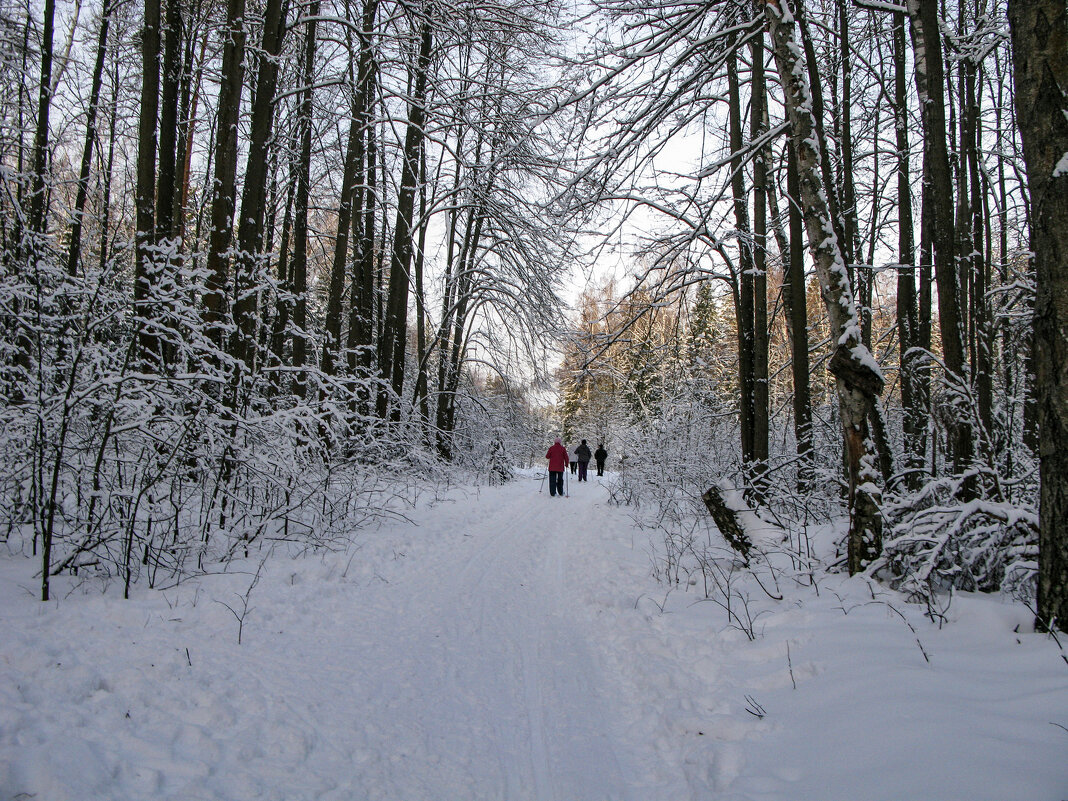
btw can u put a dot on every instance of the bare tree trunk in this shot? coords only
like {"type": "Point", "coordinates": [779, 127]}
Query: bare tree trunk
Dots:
{"type": "Point", "coordinates": [930, 83]}
{"type": "Point", "coordinates": [816, 88]}
{"type": "Point", "coordinates": [299, 268]}
{"type": "Point", "coordinates": [250, 230]}
{"type": "Point", "coordinates": [145, 269]}
{"type": "Point", "coordinates": [982, 340]}
{"type": "Point", "coordinates": [395, 331]}
{"type": "Point", "coordinates": [744, 280]}
{"type": "Point", "coordinates": [924, 319]}
{"type": "Point", "coordinates": [168, 121]}
{"type": "Point", "coordinates": [74, 252]}
{"type": "Point", "coordinates": [797, 303]}
{"type": "Point", "coordinates": [1040, 53]}
{"type": "Point", "coordinates": [38, 190]}
{"type": "Point", "coordinates": [190, 98]}
{"type": "Point", "coordinates": [224, 190]}
{"type": "Point", "coordinates": [421, 395]}
{"type": "Point", "coordinates": [760, 276]}
{"type": "Point", "coordinates": [851, 250]}
{"type": "Point", "coordinates": [283, 304]}
{"type": "Point", "coordinates": [109, 170]}
{"type": "Point", "coordinates": [361, 333]}
{"type": "Point", "coordinates": [859, 380]}
{"type": "Point", "coordinates": [915, 413]}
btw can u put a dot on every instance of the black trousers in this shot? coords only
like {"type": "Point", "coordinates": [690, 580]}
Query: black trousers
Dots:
{"type": "Point", "coordinates": [556, 482]}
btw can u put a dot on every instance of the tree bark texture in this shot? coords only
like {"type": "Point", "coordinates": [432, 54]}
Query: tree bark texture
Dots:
{"type": "Point", "coordinates": [1040, 51]}
{"type": "Point", "coordinates": [298, 274]}
{"type": "Point", "coordinates": [728, 521]}
{"type": "Point", "coordinates": [74, 252]}
{"type": "Point", "coordinates": [798, 322]}
{"type": "Point", "coordinates": [910, 358]}
{"type": "Point", "coordinates": [760, 277]}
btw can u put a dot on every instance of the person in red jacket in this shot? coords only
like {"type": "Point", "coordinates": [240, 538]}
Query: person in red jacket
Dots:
{"type": "Point", "coordinates": [557, 457]}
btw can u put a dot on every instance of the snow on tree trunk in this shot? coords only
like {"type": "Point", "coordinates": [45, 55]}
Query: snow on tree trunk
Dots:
{"type": "Point", "coordinates": [858, 377]}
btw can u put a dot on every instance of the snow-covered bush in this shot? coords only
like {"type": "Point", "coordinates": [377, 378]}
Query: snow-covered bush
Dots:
{"type": "Point", "coordinates": [935, 541]}
{"type": "Point", "coordinates": [133, 466]}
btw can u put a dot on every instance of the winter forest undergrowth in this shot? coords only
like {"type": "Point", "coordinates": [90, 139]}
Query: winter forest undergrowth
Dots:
{"type": "Point", "coordinates": [276, 278]}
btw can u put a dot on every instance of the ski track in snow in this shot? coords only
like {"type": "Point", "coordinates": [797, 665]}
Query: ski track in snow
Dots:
{"type": "Point", "coordinates": [509, 646]}
{"type": "Point", "coordinates": [469, 663]}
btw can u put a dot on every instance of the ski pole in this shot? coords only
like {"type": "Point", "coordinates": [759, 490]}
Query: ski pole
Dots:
{"type": "Point", "coordinates": [541, 483]}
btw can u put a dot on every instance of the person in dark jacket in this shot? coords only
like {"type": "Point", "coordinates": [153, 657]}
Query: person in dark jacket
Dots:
{"type": "Point", "coordinates": [558, 460]}
{"type": "Point", "coordinates": [583, 454]}
{"type": "Point", "coordinates": [599, 456]}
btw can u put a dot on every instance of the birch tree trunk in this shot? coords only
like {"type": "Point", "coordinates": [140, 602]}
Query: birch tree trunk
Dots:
{"type": "Point", "coordinates": [858, 377]}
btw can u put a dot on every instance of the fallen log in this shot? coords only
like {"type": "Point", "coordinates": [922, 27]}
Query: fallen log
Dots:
{"type": "Point", "coordinates": [728, 521]}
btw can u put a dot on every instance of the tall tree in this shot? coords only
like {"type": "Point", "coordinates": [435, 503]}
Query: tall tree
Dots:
{"type": "Point", "coordinates": [395, 330]}
{"type": "Point", "coordinates": [858, 378]}
{"type": "Point", "coordinates": [250, 230]}
{"type": "Point", "coordinates": [930, 84]}
{"type": "Point", "coordinates": [912, 398]}
{"type": "Point", "coordinates": [38, 193]}
{"type": "Point", "coordinates": [744, 286]}
{"type": "Point", "coordinates": [361, 328]}
{"type": "Point", "coordinates": [145, 268]}
{"type": "Point", "coordinates": [795, 300]}
{"type": "Point", "coordinates": [760, 258]}
{"type": "Point", "coordinates": [74, 252]}
{"type": "Point", "coordinates": [224, 187]}
{"type": "Point", "coordinates": [1040, 52]}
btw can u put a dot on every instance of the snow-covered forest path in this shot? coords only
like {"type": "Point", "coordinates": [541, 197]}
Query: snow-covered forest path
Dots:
{"type": "Point", "coordinates": [500, 644]}
{"type": "Point", "coordinates": [480, 653]}
{"type": "Point", "coordinates": [484, 672]}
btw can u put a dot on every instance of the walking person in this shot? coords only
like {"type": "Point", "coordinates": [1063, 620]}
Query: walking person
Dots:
{"type": "Point", "coordinates": [558, 460]}
{"type": "Point", "coordinates": [599, 456]}
{"type": "Point", "coordinates": [583, 454]}
{"type": "Point", "coordinates": [574, 462]}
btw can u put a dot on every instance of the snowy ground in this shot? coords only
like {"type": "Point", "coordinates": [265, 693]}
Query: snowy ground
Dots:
{"type": "Point", "coordinates": [509, 645]}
